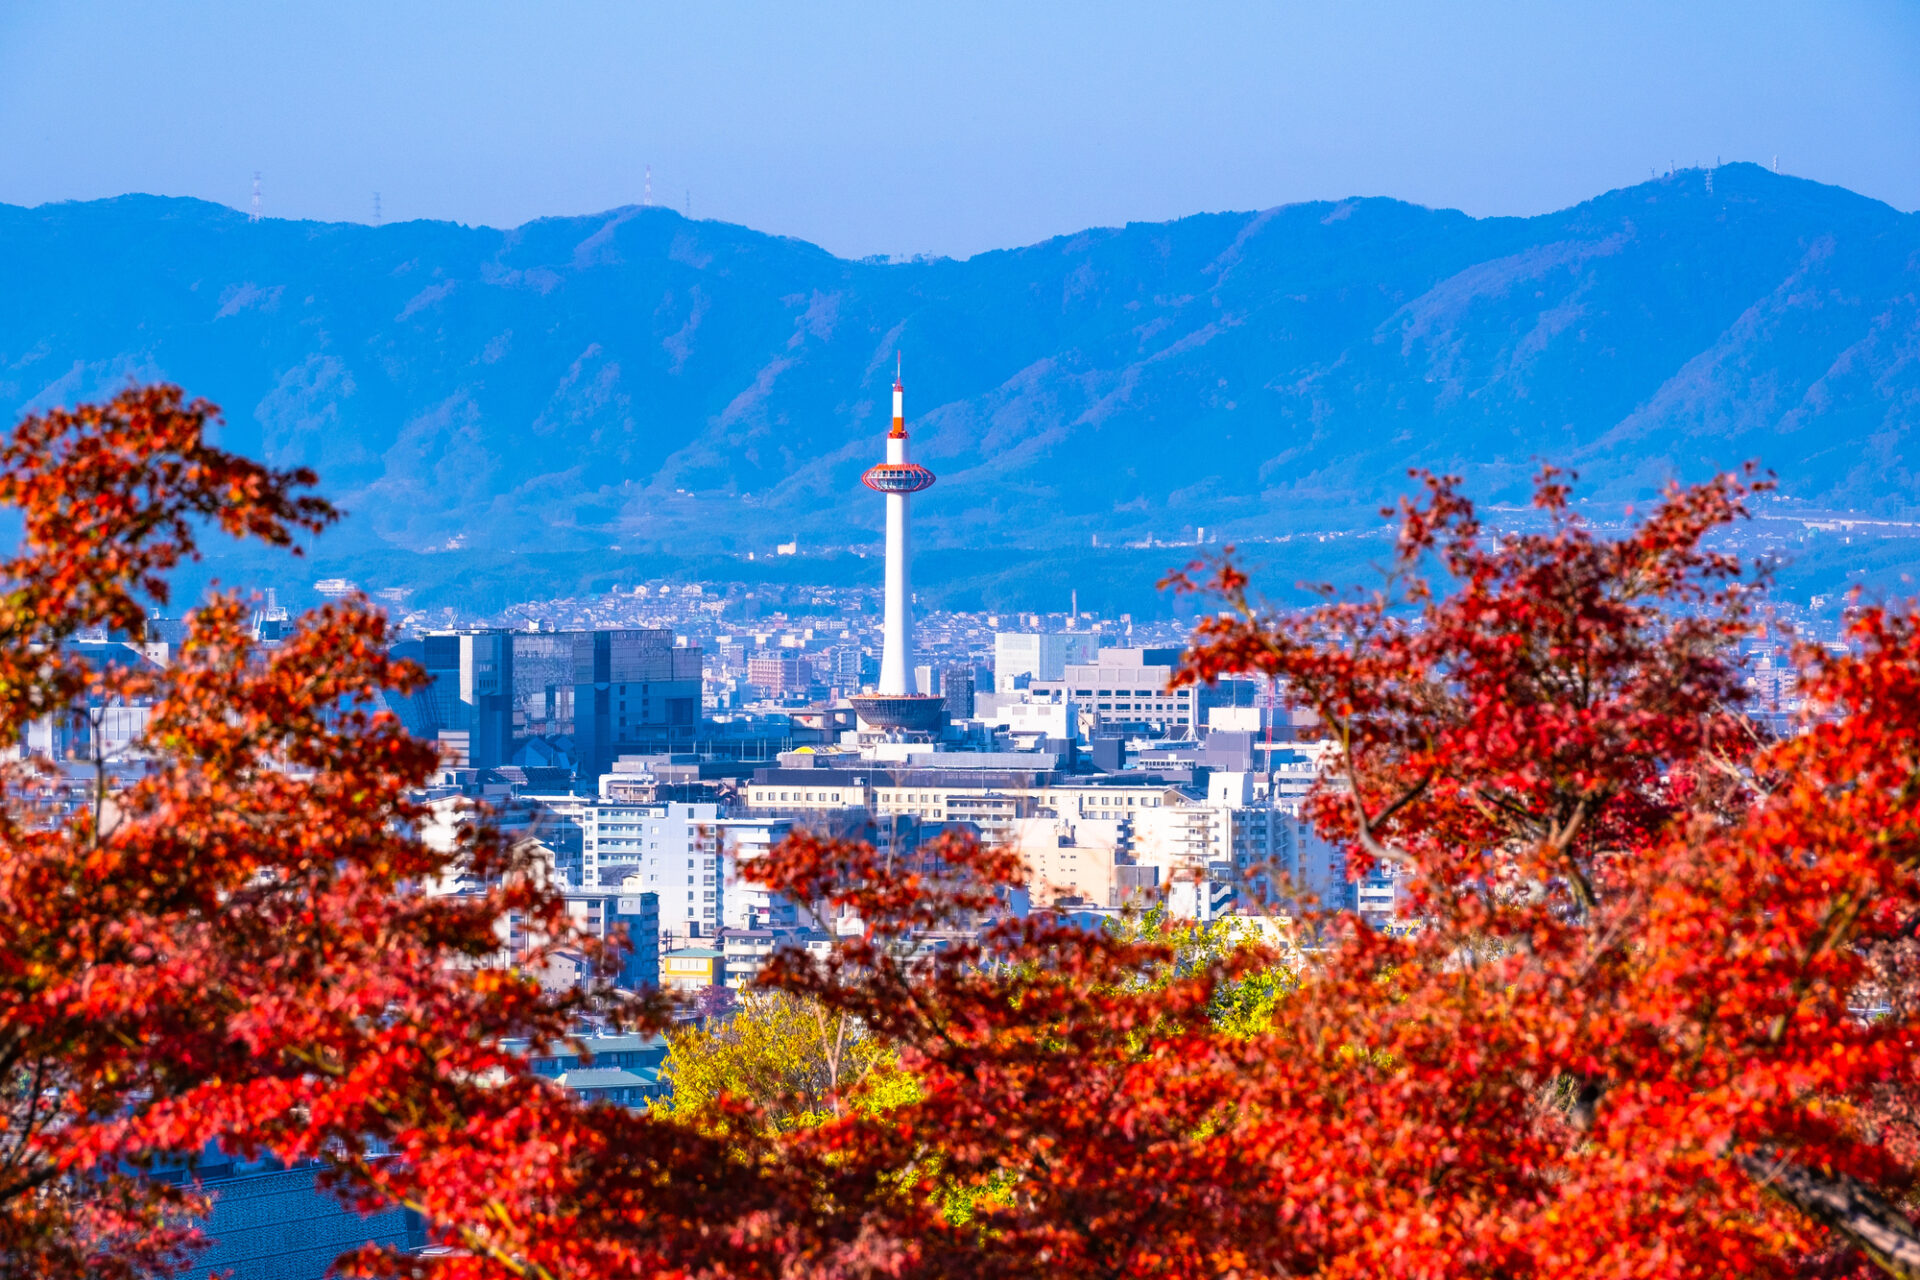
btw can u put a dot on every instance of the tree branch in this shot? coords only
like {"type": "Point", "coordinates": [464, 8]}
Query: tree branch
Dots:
{"type": "Point", "coordinates": [1846, 1205]}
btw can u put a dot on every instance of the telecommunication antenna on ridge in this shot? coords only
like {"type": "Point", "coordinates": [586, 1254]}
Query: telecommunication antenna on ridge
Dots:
{"type": "Point", "coordinates": [253, 210]}
{"type": "Point", "coordinates": [1776, 164]}
{"type": "Point", "coordinates": [646, 197]}
{"type": "Point", "coordinates": [376, 208]}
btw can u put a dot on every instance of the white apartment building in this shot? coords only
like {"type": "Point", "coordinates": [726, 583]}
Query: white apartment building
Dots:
{"type": "Point", "coordinates": [745, 905]}
{"type": "Point", "coordinates": [1320, 866]}
{"type": "Point", "coordinates": [1261, 843]}
{"type": "Point", "coordinates": [1071, 857]}
{"type": "Point", "coordinates": [671, 850]}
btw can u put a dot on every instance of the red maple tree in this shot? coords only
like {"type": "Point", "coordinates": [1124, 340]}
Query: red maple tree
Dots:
{"type": "Point", "coordinates": [235, 947]}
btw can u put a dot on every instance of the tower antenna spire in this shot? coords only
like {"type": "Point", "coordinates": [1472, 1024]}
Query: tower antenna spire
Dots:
{"type": "Point", "coordinates": [646, 197]}
{"type": "Point", "coordinates": [253, 209]}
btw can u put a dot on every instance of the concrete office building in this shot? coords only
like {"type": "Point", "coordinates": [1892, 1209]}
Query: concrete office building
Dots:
{"type": "Point", "coordinates": [992, 799]}
{"type": "Point", "coordinates": [1037, 726]}
{"type": "Point", "coordinates": [1037, 656]}
{"type": "Point", "coordinates": [1129, 687]}
{"type": "Point", "coordinates": [779, 674]}
{"type": "Point", "coordinates": [989, 798]}
{"type": "Point", "coordinates": [843, 667]}
{"type": "Point", "coordinates": [956, 686]}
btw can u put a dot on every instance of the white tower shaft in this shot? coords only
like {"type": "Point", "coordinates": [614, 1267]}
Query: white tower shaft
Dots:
{"type": "Point", "coordinates": [896, 650]}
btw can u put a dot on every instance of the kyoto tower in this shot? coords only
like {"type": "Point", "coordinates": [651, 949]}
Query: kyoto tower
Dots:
{"type": "Point", "coordinates": [895, 705]}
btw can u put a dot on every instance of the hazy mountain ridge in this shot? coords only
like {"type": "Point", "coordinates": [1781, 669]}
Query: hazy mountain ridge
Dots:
{"type": "Point", "coordinates": [560, 383]}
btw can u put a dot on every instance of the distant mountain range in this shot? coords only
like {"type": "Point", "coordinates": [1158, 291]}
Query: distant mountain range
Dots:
{"type": "Point", "coordinates": [639, 380]}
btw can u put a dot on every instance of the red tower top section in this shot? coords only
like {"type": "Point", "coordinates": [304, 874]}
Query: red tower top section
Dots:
{"type": "Point", "coordinates": [899, 431]}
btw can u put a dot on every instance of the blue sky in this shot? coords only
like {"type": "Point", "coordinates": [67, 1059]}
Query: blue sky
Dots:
{"type": "Point", "coordinates": [941, 128]}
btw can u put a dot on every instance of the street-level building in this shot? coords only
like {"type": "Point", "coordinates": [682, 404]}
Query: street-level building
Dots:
{"type": "Point", "coordinates": [746, 951]}
{"type": "Point", "coordinates": [693, 968]}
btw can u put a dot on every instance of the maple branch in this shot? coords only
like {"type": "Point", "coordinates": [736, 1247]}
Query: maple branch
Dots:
{"type": "Point", "coordinates": [1846, 1205]}
{"type": "Point", "coordinates": [1562, 843]}
{"type": "Point", "coordinates": [1365, 824]}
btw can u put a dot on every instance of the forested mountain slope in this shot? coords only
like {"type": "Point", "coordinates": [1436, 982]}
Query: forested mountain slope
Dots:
{"type": "Point", "coordinates": [637, 379]}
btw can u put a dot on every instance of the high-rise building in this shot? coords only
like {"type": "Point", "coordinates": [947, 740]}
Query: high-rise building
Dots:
{"type": "Point", "coordinates": [612, 692]}
{"type": "Point", "coordinates": [634, 692]}
{"type": "Point", "coordinates": [468, 702]}
{"type": "Point", "coordinates": [745, 904]}
{"type": "Point", "coordinates": [843, 667]}
{"type": "Point", "coordinates": [543, 681]}
{"type": "Point", "coordinates": [894, 706]}
{"type": "Point", "coordinates": [956, 687]}
{"type": "Point", "coordinates": [1038, 656]}
{"type": "Point", "coordinates": [670, 850]}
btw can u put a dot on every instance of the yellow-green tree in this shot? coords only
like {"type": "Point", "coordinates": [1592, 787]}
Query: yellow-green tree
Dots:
{"type": "Point", "coordinates": [789, 1056]}
{"type": "Point", "coordinates": [1241, 1007]}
